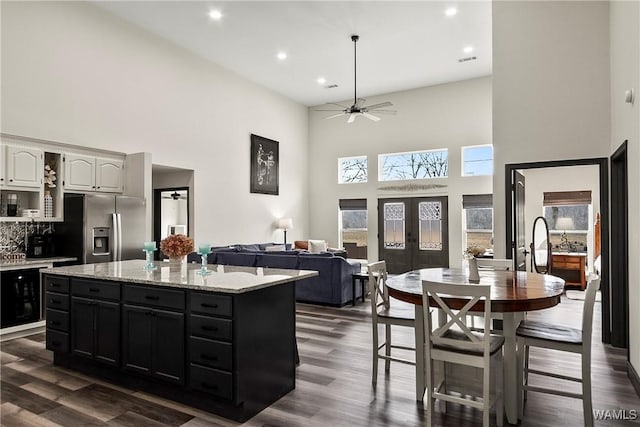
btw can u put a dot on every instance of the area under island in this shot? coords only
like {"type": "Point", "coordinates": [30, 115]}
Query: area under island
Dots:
{"type": "Point", "coordinates": [224, 342]}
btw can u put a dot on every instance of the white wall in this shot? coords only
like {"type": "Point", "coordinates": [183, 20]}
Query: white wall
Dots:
{"type": "Point", "coordinates": [573, 178]}
{"type": "Point", "coordinates": [445, 116]}
{"type": "Point", "coordinates": [625, 124]}
{"type": "Point", "coordinates": [73, 73]}
{"type": "Point", "coordinates": [550, 87]}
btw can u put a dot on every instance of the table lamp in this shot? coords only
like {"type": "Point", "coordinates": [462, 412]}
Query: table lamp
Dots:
{"type": "Point", "coordinates": [285, 224]}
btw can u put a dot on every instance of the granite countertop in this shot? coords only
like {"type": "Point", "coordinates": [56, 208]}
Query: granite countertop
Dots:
{"type": "Point", "coordinates": [222, 278]}
{"type": "Point", "coordinates": [32, 262]}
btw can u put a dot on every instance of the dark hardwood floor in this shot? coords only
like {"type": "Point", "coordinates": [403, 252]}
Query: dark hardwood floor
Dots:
{"type": "Point", "coordinates": [333, 384]}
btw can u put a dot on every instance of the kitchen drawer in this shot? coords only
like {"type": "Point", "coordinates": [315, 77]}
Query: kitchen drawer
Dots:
{"type": "Point", "coordinates": [211, 381]}
{"type": "Point", "coordinates": [58, 320]}
{"type": "Point", "coordinates": [57, 301]}
{"type": "Point", "coordinates": [214, 354]}
{"type": "Point", "coordinates": [211, 304]}
{"type": "Point", "coordinates": [211, 327]}
{"type": "Point", "coordinates": [95, 289]}
{"type": "Point", "coordinates": [157, 297]}
{"type": "Point", "coordinates": [57, 341]}
{"type": "Point", "coordinates": [56, 284]}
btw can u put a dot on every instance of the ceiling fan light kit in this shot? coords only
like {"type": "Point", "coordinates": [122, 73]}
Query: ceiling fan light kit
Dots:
{"type": "Point", "coordinates": [357, 109]}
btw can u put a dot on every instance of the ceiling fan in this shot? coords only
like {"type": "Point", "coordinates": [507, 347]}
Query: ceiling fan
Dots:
{"type": "Point", "coordinates": [357, 109]}
{"type": "Point", "coordinates": [175, 196]}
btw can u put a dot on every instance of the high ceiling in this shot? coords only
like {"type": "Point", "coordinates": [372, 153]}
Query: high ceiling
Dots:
{"type": "Point", "coordinates": [403, 45]}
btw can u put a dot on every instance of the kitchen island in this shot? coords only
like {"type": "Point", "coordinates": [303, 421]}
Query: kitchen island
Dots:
{"type": "Point", "coordinates": [224, 342]}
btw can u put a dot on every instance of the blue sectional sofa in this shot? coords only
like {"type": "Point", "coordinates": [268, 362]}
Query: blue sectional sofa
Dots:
{"type": "Point", "coordinates": [333, 285]}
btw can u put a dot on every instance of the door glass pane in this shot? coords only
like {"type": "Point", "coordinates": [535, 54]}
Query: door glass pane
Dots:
{"type": "Point", "coordinates": [394, 226]}
{"type": "Point", "coordinates": [430, 214]}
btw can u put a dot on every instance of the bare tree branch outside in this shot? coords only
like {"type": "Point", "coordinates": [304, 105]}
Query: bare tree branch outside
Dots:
{"type": "Point", "coordinates": [353, 170]}
{"type": "Point", "coordinates": [417, 165]}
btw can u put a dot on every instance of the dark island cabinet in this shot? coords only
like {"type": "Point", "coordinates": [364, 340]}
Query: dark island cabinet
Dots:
{"type": "Point", "coordinates": [95, 320]}
{"type": "Point", "coordinates": [153, 342]}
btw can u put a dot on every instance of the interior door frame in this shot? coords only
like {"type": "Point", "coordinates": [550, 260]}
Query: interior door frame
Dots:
{"type": "Point", "coordinates": [620, 251]}
{"type": "Point", "coordinates": [157, 213]}
{"type": "Point", "coordinates": [603, 172]}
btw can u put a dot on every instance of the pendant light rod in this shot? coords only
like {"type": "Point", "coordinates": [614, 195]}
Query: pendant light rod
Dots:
{"type": "Point", "coordinates": [355, 38]}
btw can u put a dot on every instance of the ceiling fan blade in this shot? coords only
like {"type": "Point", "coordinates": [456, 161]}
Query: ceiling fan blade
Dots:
{"type": "Point", "coordinates": [334, 116]}
{"type": "Point", "coordinates": [382, 104]}
{"type": "Point", "coordinates": [352, 118]}
{"type": "Point", "coordinates": [382, 111]}
{"type": "Point", "coordinates": [359, 102]}
{"type": "Point", "coordinates": [339, 105]}
{"type": "Point", "coordinates": [335, 109]}
{"type": "Point", "coordinates": [371, 117]}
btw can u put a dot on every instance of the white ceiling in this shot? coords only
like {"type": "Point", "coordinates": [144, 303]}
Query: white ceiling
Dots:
{"type": "Point", "coordinates": [403, 45]}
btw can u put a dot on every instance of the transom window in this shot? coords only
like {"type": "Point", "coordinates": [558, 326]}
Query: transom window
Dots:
{"type": "Point", "coordinates": [352, 169]}
{"type": "Point", "coordinates": [413, 165]}
{"type": "Point", "coordinates": [477, 160]}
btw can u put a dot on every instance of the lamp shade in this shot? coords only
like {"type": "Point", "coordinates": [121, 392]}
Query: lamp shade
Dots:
{"type": "Point", "coordinates": [564, 223]}
{"type": "Point", "coordinates": [285, 223]}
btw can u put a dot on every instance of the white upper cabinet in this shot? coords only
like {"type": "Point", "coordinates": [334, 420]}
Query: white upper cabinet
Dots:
{"type": "Point", "coordinates": [109, 175]}
{"type": "Point", "coordinates": [79, 172]}
{"type": "Point", "coordinates": [87, 173]}
{"type": "Point", "coordinates": [24, 167]}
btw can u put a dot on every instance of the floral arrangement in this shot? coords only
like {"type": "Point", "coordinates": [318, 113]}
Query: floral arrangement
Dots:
{"type": "Point", "coordinates": [473, 251]}
{"type": "Point", "coordinates": [49, 176]}
{"type": "Point", "coordinates": [176, 246]}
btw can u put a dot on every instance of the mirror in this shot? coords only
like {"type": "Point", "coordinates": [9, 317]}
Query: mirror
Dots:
{"type": "Point", "coordinates": [171, 212]}
{"type": "Point", "coordinates": [541, 247]}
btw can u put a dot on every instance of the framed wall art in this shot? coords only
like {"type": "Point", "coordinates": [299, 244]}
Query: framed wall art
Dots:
{"type": "Point", "coordinates": [264, 165]}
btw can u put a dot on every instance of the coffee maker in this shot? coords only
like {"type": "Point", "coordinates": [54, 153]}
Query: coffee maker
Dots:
{"type": "Point", "coordinates": [41, 244]}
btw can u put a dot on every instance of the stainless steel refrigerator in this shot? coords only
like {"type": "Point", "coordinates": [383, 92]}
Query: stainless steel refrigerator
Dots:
{"type": "Point", "coordinates": [101, 228]}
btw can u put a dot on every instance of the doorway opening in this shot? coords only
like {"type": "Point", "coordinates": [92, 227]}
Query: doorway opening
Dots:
{"type": "Point", "coordinates": [519, 223]}
{"type": "Point", "coordinates": [413, 233]}
{"type": "Point", "coordinates": [171, 212]}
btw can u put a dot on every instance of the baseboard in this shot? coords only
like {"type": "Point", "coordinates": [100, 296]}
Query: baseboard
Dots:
{"type": "Point", "coordinates": [633, 376]}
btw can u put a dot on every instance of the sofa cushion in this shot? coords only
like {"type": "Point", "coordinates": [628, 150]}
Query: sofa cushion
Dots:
{"type": "Point", "coordinates": [275, 248]}
{"type": "Point", "coordinates": [321, 254]}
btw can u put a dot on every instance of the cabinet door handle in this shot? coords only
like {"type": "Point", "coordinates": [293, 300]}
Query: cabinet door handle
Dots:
{"type": "Point", "coordinates": [209, 386]}
{"type": "Point", "coordinates": [11, 180]}
{"type": "Point", "coordinates": [94, 290]}
{"type": "Point", "coordinates": [210, 328]}
{"type": "Point", "coordinates": [205, 305]}
{"type": "Point", "coordinates": [209, 357]}
{"type": "Point", "coordinates": [151, 297]}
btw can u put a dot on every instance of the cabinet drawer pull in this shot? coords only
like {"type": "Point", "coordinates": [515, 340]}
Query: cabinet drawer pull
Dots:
{"type": "Point", "coordinates": [209, 386]}
{"type": "Point", "coordinates": [205, 305]}
{"type": "Point", "coordinates": [94, 290]}
{"type": "Point", "coordinates": [210, 328]}
{"type": "Point", "coordinates": [151, 297]}
{"type": "Point", "coordinates": [209, 357]}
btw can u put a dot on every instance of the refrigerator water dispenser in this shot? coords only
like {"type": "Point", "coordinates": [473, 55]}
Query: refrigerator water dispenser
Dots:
{"type": "Point", "coordinates": [101, 240]}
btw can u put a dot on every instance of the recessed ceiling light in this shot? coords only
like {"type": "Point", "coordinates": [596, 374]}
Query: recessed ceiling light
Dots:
{"type": "Point", "coordinates": [321, 80]}
{"type": "Point", "coordinates": [468, 49]}
{"type": "Point", "coordinates": [451, 11]}
{"type": "Point", "coordinates": [281, 56]}
{"type": "Point", "coordinates": [215, 14]}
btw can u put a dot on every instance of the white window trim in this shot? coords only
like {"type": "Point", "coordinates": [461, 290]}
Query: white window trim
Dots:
{"type": "Point", "coordinates": [476, 146]}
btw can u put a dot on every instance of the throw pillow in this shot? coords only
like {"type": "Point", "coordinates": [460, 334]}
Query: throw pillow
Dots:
{"type": "Point", "coordinates": [301, 244]}
{"type": "Point", "coordinates": [275, 248]}
{"type": "Point", "coordinates": [317, 246]}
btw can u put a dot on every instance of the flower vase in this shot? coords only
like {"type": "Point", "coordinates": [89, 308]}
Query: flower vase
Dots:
{"type": "Point", "coordinates": [474, 275]}
{"type": "Point", "coordinates": [176, 261]}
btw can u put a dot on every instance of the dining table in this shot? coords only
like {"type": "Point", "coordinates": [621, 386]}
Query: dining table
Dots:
{"type": "Point", "coordinates": [513, 293]}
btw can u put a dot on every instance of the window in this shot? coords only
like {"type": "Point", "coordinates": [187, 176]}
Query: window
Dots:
{"type": "Point", "coordinates": [413, 165]}
{"type": "Point", "coordinates": [477, 160]}
{"type": "Point", "coordinates": [430, 214]}
{"type": "Point", "coordinates": [394, 223]}
{"type": "Point", "coordinates": [478, 220]}
{"type": "Point", "coordinates": [353, 227]}
{"type": "Point", "coordinates": [567, 214]}
{"type": "Point", "coordinates": [352, 169]}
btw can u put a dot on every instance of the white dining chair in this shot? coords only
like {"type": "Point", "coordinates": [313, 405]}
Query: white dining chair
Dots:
{"type": "Point", "coordinates": [387, 312]}
{"type": "Point", "coordinates": [557, 337]}
{"type": "Point", "coordinates": [454, 342]}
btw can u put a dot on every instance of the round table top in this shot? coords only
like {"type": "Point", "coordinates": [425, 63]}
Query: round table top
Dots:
{"type": "Point", "coordinates": [511, 291]}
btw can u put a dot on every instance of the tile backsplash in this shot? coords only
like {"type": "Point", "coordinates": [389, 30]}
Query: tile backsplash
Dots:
{"type": "Point", "coordinates": [14, 235]}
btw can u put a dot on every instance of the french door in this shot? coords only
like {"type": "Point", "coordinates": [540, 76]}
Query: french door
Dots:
{"type": "Point", "coordinates": [413, 233]}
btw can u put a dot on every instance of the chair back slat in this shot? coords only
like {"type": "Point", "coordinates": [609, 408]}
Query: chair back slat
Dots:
{"type": "Point", "coordinates": [587, 309]}
{"type": "Point", "coordinates": [438, 293]}
{"type": "Point", "coordinates": [377, 286]}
